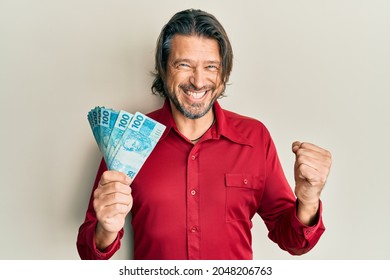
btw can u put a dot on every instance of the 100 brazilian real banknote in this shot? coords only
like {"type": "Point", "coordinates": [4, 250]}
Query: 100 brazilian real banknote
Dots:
{"type": "Point", "coordinates": [125, 140]}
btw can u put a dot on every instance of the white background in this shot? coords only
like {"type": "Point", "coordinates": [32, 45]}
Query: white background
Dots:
{"type": "Point", "coordinates": [316, 71]}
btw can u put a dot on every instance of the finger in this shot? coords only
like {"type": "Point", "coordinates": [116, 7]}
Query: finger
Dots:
{"type": "Point", "coordinates": [112, 222]}
{"type": "Point", "coordinates": [312, 175]}
{"type": "Point", "coordinates": [117, 198]}
{"type": "Point", "coordinates": [312, 150]}
{"type": "Point", "coordinates": [312, 147]}
{"type": "Point", "coordinates": [295, 146]}
{"type": "Point", "coordinates": [312, 169]}
{"type": "Point", "coordinates": [115, 209]}
{"type": "Point", "coordinates": [114, 176]}
{"type": "Point", "coordinates": [309, 153]}
{"type": "Point", "coordinates": [312, 172]}
{"type": "Point", "coordinates": [313, 158]}
{"type": "Point", "coordinates": [112, 188]}
{"type": "Point", "coordinates": [113, 204]}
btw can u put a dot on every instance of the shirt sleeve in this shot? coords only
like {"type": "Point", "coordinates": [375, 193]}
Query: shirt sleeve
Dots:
{"type": "Point", "coordinates": [278, 209]}
{"type": "Point", "coordinates": [86, 245]}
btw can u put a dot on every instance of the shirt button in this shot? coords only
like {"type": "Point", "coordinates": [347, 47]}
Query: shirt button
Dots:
{"type": "Point", "coordinates": [193, 192]}
{"type": "Point", "coordinates": [194, 229]}
{"type": "Point", "coordinates": [245, 181]}
{"type": "Point", "coordinates": [193, 157]}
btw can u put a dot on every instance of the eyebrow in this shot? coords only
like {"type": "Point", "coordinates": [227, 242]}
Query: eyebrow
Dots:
{"type": "Point", "coordinates": [179, 60]}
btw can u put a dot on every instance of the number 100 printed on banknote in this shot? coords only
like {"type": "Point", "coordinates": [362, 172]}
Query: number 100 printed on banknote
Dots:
{"type": "Point", "coordinates": [125, 140]}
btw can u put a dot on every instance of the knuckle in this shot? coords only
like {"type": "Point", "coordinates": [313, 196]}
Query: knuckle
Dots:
{"type": "Point", "coordinates": [304, 145]}
{"type": "Point", "coordinates": [99, 217]}
{"type": "Point", "coordinates": [116, 196]}
{"type": "Point", "coordinates": [329, 155]}
{"type": "Point", "coordinates": [97, 208]}
{"type": "Point", "coordinates": [118, 207]}
{"type": "Point", "coordinates": [105, 175]}
{"type": "Point", "coordinates": [96, 193]}
{"type": "Point", "coordinates": [327, 160]}
{"type": "Point", "coordinates": [299, 152]}
{"type": "Point", "coordinates": [117, 187]}
{"type": "Point", "coordinates": [95, 205]}
{"type": "Point", "coordinates": [123, 177]}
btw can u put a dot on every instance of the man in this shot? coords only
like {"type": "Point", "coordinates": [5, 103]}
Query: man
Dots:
{"type": "Point", "coordinates": [211, 171]}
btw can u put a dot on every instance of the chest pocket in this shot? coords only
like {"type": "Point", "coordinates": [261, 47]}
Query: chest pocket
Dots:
{"type": "Point", "coordinates": [243, 194]}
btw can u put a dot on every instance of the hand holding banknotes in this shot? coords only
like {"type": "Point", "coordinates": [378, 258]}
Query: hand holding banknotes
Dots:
{"type": "Point", "coordinates": [126, 141]}
{"type": "Point", "coordinates": [112, 202]}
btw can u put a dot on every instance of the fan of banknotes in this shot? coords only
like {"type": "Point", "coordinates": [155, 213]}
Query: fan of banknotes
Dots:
{"type": "Point", "coordinates": [125, 140]}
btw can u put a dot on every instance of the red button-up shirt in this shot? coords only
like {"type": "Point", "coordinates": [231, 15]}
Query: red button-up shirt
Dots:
{"type": "Point", "coordinates": [197, 201]}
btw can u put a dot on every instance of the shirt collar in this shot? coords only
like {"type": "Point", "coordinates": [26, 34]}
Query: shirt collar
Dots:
{"type": "Point", "coordinates": [228, 128]}
{"type": "Point", "coordinates": [224, 127]}
{"type": "Point", "coordinates": [165, 117]}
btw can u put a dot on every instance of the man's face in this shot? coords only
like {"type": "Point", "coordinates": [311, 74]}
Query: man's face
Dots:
{"type": "Point", "coordinates": [193, 81]}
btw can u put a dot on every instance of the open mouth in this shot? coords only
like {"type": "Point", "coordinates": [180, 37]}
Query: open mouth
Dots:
{"type": "Point", "coordinates": [196, 95]}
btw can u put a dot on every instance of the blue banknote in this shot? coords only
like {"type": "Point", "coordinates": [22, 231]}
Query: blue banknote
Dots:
{"type": "Point", "coordinates": [136, 144]}
{"type": "Point", "coordinates": [120, 126]}
{"type": "Point", "coordinates": [93, 121]}
{"type": "Point", "coordinates": [90, 120]}
{"type": "Point", "coordinates": [108, 118]}
{"type": "Point", "coordinates": [98, 111]}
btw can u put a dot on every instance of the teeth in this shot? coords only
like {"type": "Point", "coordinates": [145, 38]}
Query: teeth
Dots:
{"type": "Point", "coordinates": [196, 95]}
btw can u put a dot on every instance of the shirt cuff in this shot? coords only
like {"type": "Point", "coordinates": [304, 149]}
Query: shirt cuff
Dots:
{"type": "Point", "coordinates": [308, 231]}
{"type": "Point", "coordinates": [109, 251]}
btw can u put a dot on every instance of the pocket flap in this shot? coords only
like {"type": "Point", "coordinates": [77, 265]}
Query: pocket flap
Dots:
{"type": "Point", "coordinates": [242, 181]}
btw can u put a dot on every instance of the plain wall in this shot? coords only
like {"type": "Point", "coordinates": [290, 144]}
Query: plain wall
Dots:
{"type": "Point", "coordinates": [316, 71]}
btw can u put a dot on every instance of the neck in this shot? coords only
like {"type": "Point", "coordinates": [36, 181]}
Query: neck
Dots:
{"type": "Point", "coordinates": [197, 139]}
{"type": "Point", "coordinates": [193, 129]}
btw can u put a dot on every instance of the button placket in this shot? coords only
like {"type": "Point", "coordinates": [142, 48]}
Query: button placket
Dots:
{"type": "Point", "coordinates": [193, 235]}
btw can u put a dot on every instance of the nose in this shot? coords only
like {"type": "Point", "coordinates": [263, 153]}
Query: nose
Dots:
{"type": "Point", "coordinates": [198, 78]}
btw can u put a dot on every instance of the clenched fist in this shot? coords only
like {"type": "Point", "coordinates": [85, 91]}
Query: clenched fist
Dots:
{"type": "Point", "coordinates": [311, 170]}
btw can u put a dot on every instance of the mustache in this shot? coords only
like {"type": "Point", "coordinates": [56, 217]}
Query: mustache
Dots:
{"type": "Point", "coordinates": [191, 87]}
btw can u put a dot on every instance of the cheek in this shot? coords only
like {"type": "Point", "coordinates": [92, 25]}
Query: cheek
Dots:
{"type": "Point", "coordinates": [218, 79]}
{"type": "Point", "coordinates": [218, 84]}
{"type": "Point", "coordinates": [176, 79]}
{"type": "Point", "coordinates": [215, 79]}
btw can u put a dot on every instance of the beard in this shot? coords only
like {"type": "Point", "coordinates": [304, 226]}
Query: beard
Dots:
{"type": "Point", "coordinates": [194, 110]}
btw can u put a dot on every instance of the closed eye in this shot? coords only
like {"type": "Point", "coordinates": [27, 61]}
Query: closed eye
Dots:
{"type": "Point", "coordinates": [212, 67]}
{"type": "Point", "coordinates": [182, 65]}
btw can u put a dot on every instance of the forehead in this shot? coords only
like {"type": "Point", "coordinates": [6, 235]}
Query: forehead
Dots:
{"type": "Point", "coordinates": [194, 47]}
